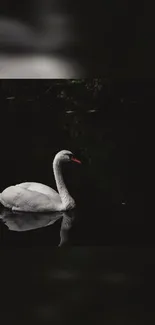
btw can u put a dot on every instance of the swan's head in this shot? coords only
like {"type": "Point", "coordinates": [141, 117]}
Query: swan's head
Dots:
{"type": "Point", "coordinates": [66, 156]}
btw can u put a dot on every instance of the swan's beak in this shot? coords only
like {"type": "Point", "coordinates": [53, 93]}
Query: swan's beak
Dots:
{"type": "Point", "coordinates": [76, 160]}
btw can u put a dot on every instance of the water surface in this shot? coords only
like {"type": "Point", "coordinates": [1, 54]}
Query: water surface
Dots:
{"type": "Point", "coordinates": [101, 123]}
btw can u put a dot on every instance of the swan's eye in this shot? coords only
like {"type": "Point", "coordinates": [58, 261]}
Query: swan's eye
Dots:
{"type": "Point", "coordinates": [70, 156]}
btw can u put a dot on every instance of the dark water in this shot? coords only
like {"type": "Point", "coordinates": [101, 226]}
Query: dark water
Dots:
{"type": "Point", "coordinates": [88, 284]}
{"type": "Point", "coordinates": [101, 122]}
{"type": "Point", "coordinates": [82, 285]}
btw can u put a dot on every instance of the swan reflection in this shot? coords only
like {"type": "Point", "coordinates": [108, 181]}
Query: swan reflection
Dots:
{"type": "Point", "coordinates": [27, 221]}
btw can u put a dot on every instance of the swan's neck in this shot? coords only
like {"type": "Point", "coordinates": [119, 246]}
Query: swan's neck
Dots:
{"type": "Point", "coordinates": [67, 200]}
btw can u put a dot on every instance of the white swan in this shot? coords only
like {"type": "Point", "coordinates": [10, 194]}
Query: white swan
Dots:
{"type": "Point", "coordinates": [37, 197]}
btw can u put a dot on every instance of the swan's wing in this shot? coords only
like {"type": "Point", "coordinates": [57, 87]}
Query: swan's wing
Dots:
{"type": "Point", "coordinates": [28, 200]}
{"type": "Point", "coordinates": [38, 187]}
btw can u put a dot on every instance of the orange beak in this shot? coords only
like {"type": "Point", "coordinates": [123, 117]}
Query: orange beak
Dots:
{"type": "Point", "coordinates": [76, 160]}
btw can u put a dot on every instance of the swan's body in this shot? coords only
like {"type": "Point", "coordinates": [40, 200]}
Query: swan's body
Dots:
{"type": "Point", "coordinates": [37, 197]}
